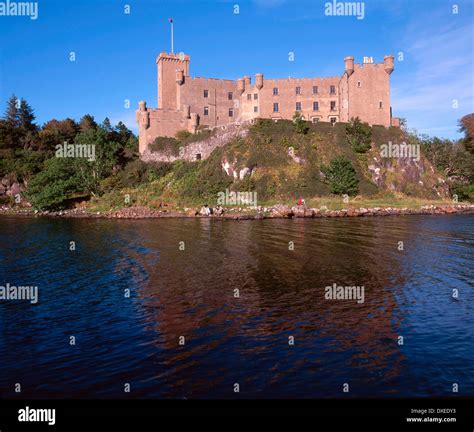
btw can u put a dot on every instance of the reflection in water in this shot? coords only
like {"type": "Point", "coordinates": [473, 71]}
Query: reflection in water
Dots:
{"type": "Point", "coordinates": [236, 294]}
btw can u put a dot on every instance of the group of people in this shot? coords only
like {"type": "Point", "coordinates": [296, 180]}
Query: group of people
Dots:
{"type": "Point", "coordinates": [209, 211]}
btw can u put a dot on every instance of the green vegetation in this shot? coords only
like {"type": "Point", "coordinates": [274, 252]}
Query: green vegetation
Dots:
{"type": "Point", "coordinates": [359, 135]}
{"type": "Point", "coordinates": [299, 124]}
{"type": "Point", "coordinates": [341, 176]}
{"type": "Point", "coordinates": [287, 160]}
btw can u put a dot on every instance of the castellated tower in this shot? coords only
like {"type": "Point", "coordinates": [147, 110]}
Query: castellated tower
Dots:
{"type": "Point", "coordinates": [192, 103]}
{"type": "Point", "coordinates": [365, 91]}
{"type": "Point", "coordinates": [172, 70]}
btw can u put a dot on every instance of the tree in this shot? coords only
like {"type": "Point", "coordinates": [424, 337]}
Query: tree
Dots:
{"type": "Point", "coordinates": [49, 189]}
{"type": "Point", "coordinates": [359, 135]}
{"type": "Point", "coordinates": [299, 124]}
{"type": "Point", "coordinates": [341, 176]}
{"type": "Point", "coordinates": [87, 122]}
{"type": "Point", "coordinates": [26, 117]}
{"type": "Point", "coordinates": [106, 125]}
{"type": "Point", "coordinates": [57, 132]}
{"type": "Point", "coordinates": [107, 155]}
{"type": "Point", "coordinates": [11, 116]}
{"type": "Point", "coordinates": [467, 127]}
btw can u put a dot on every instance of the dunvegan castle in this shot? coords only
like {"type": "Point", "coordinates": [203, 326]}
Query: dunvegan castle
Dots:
{"type": "Point", "coordinates": [191, 103]}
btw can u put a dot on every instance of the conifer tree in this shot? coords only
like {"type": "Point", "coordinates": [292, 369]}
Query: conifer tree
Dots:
{"type": "Point", "coordinates": [11, 116]}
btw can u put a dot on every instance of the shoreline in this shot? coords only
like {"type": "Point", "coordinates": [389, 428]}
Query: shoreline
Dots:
{"type": "Point", "coordinates": [278, 211]}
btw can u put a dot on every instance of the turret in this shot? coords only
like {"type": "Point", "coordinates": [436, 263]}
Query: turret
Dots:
{"type": "Point", "coordinates": [388, 63]}
{"type": "Point", "coordinates": [143, 120]}
{"type": "Point", "coordinates": [143, 115]}
{"type": "Point", "coordinates": [349, 65]}
{"type": "Point", "coordinates": [180, 77]}
{"type": "Point", "coordinates": [240, 85]}
{"type": "Point", "coordinates": [247, 83]}
{"type": "Point", "coordinates": [259, 80]}
{"type": "Point", "coordinates": [194, 122]}
{"type": "Point", "coordinates": [186, 111]}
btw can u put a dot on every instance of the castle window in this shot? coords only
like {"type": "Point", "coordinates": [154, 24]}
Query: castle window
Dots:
{"type": "Point", "coordinates": [332, 89]}
{"type": "Point", "coordinates": [315, 89]}
{"type": "Point", "coordinates": [298, 90]}
{"type": "Point", "coordinates": [230, 96]}
{"type": "Point", "coordinates": [333, 120]}
{"type": "Point", "coordinates": [298, 106]}
{"type": "Point", "coordinates": [359, 84]}
{"type": "Point", "coordinates": [380, 104]}
{"type": "Point", "coordinates": [249, 97]}
{"type": "Point", "coordinates": [231, 112]}
{"type": "Point", "coordinates": [206, 93]}
{"type": "Point", "coordinates": [315, 106]}
{"type": "Point", "coordinates": [275, 107]}
{"type": "Point", "coordinates": [206, 111]}
{"type": "Point", "coordinates": [198, 156]}
{"type": "Point", "coordinates": [315, 119]}
{"type": "Point", "coordinates": [255, 109]}
{"type": "Point", "coordinates": [275, 91]}
{"type": "Point", "coordinates": [255, 96]}
{"type": "Point", "coordinates": [333, 105]}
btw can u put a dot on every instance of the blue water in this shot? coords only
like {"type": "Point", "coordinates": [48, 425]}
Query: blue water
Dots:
{"type": "Point", "coordinates": [240, 340]}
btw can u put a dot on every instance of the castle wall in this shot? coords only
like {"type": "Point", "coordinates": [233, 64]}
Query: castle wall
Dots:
{"type": "Point", "coordinates": [364, 101]}
{"type": "Point", "coordinates": [158, 122]}
{"type": "Point", "coordinates": [217, 101]}
{"type": "Point", "coordinates": [287, 98]}
{"type": "Point", "coordinates": [363, 91]}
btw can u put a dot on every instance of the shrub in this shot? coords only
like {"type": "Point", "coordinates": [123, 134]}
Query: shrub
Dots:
{"type": "Point", "coordinates": [167, 145]}
{"type": "Point", "coordinates": [464, 192]}
{"type": "Point", "coordinates": [182, 135]}
{"type": "Point", "coordinates": [359, 135]}
{"type": "Point", "coordinates": [341, 176]}
{"type": "Point", "coordinates": [54, 185]}
{"type": "Point", "coordinates": [299, 124]}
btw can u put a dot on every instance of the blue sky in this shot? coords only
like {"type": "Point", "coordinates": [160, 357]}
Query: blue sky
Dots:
{"type": "Point", "coordinates": [116, 52]}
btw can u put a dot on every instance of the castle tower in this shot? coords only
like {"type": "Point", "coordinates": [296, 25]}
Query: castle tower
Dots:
{"type": "Point", "coordinates": [143, 120]}
{"type": "Point", "coordinates": [240, 85]}
{"type": "Point", "coordinates": [388, 63]}
{"type": "Point", "coordinates": [172, 71]}
{"type": "Point", "coordinates": [349, 65]}
{"type": "Point", "coordinates": [364, 90]}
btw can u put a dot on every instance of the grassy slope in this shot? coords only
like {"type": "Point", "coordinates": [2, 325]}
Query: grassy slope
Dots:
{"type": "Point", "coordinates": [277, 178]}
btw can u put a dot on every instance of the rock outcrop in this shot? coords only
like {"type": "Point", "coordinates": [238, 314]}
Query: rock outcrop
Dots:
{"type": "Point", "coordinates": [200, 150]}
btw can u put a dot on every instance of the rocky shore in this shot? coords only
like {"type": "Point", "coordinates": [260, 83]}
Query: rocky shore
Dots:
{"type": "Point", "coordinates": [277, 211]}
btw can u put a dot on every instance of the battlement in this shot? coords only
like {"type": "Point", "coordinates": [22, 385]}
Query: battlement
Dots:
{"type": "Point", "coordinates": [212, 79]}
{"type": "Point", "coordinates": [172, 56]}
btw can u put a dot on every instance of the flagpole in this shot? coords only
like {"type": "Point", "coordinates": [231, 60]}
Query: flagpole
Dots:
{"type": "Point", "coordinates": [172, 42]}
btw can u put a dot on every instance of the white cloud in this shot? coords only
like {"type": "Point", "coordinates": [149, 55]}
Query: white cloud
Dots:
{"type": "Point", "coordinates": [441, 71]}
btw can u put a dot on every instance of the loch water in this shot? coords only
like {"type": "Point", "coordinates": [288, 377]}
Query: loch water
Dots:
{"type": "Point", "coordinates": [213, 303]}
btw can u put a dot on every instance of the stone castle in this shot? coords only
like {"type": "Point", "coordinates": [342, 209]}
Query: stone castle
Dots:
{"type": "Point", "coordinates": [192, 103]}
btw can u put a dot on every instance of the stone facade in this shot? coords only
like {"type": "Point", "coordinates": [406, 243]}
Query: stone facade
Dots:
{"type": "Point", "coordinates": [189, 103]}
